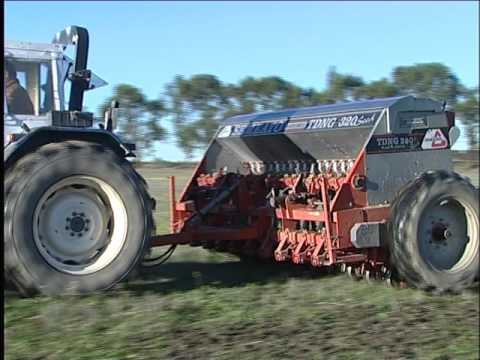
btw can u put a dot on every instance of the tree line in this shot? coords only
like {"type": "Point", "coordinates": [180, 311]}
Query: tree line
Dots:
{"type": "Point", "coordinates": [196, 105]}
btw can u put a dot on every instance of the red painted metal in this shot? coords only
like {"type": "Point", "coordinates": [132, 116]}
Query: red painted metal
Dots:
{"type": "Point", "coordinates": [326, 211]}
{"type": "Point", "coordinates": [188, 206]}
{"type": "Point", "coordinates": [315, 257]}
{"type": "Point", "coordinates": [173, 210]}
{"type": "Point", "coordinates": [310, 223]}
{"type": "Point", "coordinates": [450, 118]}
{"type": "Point", "coordinates": [171, 239]}
{"type": "Point", "coordinates": [347, 196]}
{"type": "Point", "coordinates": [345, 219]}
{"type": "Point", "coordinates": [208, 180]}
{"type": "Point", "coordinates": [300, 213]}
{"type": "Point", "coordinates": [195, 174]}
{"type": "Point", "coordinates": [206, 233]}
{"type": "Point", "coordinates": [281, 252]}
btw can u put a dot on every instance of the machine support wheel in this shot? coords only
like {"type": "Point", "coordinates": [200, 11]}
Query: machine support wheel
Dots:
{"type": "Point", "coordinates": [77, 219]}
{"type": "Point", "coordinates": [433, 232]}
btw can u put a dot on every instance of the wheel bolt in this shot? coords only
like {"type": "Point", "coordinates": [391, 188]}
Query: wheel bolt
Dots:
{"type": "Point", "coordinates": [87, 221]}
{"type": "Point", "coordinates": [68, 219]}
{"type": "Point", "coordinates": [67, 228]}
{"type": "Point", "coordinates": [72, 234]}
{"type": "Point", "coordinates": [86, 229]}
{"type": "Point", "coordinates": [82, 214]}
{"type": "Point", "coordinates": [79, 234]}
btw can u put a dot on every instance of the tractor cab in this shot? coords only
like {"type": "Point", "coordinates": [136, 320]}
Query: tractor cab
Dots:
{"type": "Point", "coordinates": [30, 67]}
{"type": "Point", "coordinates": [43, 85]}
{"type": "Point", "coordinates": [33, 75]}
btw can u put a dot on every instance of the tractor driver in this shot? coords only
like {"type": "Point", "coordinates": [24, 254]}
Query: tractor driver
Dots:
{"type": "Point", "coordinates": [18, 101]}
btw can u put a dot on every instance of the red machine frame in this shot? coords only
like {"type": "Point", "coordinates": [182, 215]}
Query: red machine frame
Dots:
{"type": "Point", "coordinates": [323, 247]}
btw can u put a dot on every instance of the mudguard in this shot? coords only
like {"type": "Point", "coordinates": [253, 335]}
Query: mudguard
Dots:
{"type": "Point", "coordinates": [37, 137]}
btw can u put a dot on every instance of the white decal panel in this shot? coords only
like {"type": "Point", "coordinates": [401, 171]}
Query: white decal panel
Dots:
{"type": "Point", "coordinates": [225, 132]}
{"type": "Point", "coordinates": [434, 139]}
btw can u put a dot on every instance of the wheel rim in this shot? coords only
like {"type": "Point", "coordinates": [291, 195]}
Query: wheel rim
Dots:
{"type": "Point", "coordinates": [80, 225]}
{"type": "Point", "coordinates": [448, 235]}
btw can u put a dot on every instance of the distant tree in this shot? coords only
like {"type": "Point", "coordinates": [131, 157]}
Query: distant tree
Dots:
{"type": "Point", "coordinates": [139, 119]}
{"type": "Point", "coordinates": [341, 87]}
{"type": "Point", "coordinates": [376, 89]}
{"type": "Point", "coordinates": [468, 111]}
{"type": "Point", "coordinates": [268, 93]}
{"type": "Point", "coordinates": [197, 105]}
{"type": "Point", "coordinates": [431, 80]}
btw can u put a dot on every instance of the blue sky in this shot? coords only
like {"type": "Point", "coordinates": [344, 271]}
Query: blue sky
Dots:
{"type": "Point", "coordinates": [147, 43]}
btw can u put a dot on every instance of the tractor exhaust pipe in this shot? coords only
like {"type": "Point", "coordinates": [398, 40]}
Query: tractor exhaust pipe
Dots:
{"type": "Point", "coordinates": [77, 36]}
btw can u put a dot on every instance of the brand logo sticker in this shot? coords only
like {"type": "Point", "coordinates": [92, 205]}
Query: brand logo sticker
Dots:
{"type": "Point", "coordinates": [434, 139]}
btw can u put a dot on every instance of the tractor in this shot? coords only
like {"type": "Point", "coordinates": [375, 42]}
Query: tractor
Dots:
{"type": "Point", "coordinates": [365, 187]}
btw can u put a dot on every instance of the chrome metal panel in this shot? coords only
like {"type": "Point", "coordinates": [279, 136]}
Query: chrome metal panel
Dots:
{"type": "Point", "coordinates": [353, 106]}
{"type": "Point", "coordinates": [366, 235]}
{"type": "Point", "coordinates": [32, 51]}
{"type": "Point", "coordinates": [388, 172]}
{"type": "Point", "coordinates": [12, 123]}
{"type": "Point", "coordinates": [410, 104]}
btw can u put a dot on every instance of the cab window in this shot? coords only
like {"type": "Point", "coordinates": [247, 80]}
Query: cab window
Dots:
{"type": "Point", "coordinates": [28, 87]}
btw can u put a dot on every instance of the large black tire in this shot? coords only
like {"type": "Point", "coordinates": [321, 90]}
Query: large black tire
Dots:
{"type": "Point", "coordinates": [37, 268]}
{"type": "Point", "coordinates": [433, 232]}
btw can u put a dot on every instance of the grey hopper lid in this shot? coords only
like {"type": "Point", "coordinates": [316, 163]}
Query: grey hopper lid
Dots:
{"type": "Point", "coordinates": [316, 110]}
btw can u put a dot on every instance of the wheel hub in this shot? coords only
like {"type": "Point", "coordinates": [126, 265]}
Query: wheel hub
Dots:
{"type": "Point", "coordinates": [73, 241]}
{"type": "Point", "coordinates": [443, 236]}
{"type": "Point", "coordinates": [440, 232]}
{"type": "Point", "coordinates": [77, 224]}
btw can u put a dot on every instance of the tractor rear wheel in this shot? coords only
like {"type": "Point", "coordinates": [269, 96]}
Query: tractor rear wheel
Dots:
{"type": "Point", "coordinates": [77, 219]}
{"type": "Point", "coordinates": [434, 232]}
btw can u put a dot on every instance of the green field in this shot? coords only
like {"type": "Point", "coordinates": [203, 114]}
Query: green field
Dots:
{"type": "Point", "coordinates": [204, 305]}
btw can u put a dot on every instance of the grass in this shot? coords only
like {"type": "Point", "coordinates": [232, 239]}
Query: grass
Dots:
{"type": "Point", "coordinates": [205, 305]}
